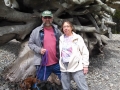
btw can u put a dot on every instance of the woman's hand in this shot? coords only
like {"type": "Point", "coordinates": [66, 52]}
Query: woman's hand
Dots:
{"type": "Point", "coordinates": [85, 70]}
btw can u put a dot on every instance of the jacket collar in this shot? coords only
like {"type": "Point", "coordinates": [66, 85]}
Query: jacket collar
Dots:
{"type": "Point", "coordinates": [75, 36]}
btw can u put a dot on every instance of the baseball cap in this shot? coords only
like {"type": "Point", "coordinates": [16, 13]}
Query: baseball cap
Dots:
{"type": "Point", "coordinates": [47, 13]}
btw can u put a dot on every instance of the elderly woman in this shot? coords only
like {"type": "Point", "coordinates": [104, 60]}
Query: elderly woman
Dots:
{"type": "Point", "coordinates": [74, 57]}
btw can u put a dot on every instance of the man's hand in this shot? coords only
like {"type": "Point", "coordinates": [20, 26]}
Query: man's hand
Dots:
{"type": "Point", "coordinates": [43, 51]}
{"type": "Point", "coordinates": [85, 70]}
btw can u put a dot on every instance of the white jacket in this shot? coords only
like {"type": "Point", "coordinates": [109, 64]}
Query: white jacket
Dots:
{"type": "Point", "coordinates": [79, 57]}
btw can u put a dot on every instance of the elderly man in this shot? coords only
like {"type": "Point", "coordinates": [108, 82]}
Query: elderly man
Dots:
{"type": "Point", "coordinates": [46, 38]}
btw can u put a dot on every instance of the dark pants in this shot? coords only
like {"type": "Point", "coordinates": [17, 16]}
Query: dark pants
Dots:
{"type": "Point", "coordinates": [49, 69]}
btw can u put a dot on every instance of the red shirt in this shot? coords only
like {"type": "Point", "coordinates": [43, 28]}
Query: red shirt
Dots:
{"type": "Point", "coordinates": [50, 45]}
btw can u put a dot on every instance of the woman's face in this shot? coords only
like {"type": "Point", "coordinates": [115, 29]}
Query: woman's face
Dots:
{"type": "Point", "coordinates": [67, 29]}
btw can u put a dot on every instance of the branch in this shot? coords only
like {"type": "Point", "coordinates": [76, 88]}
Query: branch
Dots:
{"type": "Point", "coordinates": [79, 13]}
{"type": "Point", "coordinates": [85, 29]}
{"type": "Point", "coordinates": [106, 8]}
{"type": "Point", "coordinates": [81, 2]}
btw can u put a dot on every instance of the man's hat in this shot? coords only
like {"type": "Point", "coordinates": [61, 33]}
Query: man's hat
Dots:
{"type": "Point", "coordinates": [47, 13]}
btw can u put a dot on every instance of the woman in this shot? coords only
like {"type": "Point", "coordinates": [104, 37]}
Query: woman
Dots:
{"type": "Point", "coordinates": [74, 57]}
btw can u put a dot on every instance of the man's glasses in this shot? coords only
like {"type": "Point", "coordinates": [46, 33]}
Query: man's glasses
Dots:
{"type": "Point", "coordinates": [47, 17]}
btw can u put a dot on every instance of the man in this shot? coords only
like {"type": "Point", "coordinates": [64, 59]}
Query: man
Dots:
{"type": "Point", "coordinates": [46, 37]}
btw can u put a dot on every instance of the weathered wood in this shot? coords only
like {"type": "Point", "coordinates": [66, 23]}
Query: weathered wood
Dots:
{"type": "Point", "coordinates": [88, 16]}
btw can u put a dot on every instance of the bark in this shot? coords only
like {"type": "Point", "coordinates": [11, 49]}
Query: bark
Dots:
{"type": "Point", "coordinates": [88, 16]}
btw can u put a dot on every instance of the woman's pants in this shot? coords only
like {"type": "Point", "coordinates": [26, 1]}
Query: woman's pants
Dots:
{"type": "Point", "coordinates": [78, 77]}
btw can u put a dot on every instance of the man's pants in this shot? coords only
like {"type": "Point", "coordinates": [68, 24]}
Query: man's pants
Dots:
{"type": "Point", "coordinates": [49, 69]}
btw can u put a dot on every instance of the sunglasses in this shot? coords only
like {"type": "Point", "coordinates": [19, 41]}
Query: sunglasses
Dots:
{"type": "Point", "coordinates": [47, 17]}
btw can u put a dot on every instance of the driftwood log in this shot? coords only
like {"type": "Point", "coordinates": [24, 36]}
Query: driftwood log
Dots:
{"type": "Point", "coordinates": [91, 19]}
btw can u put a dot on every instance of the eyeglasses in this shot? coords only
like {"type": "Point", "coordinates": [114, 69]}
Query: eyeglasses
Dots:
{"type": "Point", "coordinates": [66, 26]}
{"type": "Point", "coordinates": [47, 17]}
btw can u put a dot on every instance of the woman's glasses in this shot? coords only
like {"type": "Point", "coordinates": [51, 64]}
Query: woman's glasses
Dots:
{"type": "Point", "coordinates": [47, 17]}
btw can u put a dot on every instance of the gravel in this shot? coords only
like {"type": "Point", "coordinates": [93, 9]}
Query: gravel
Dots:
{"type": "Point", "coordinates": [104, 70]}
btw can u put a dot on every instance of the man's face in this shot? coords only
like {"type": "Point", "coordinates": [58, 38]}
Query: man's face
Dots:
{"type": "Point", "coordinates": [47, 21]}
